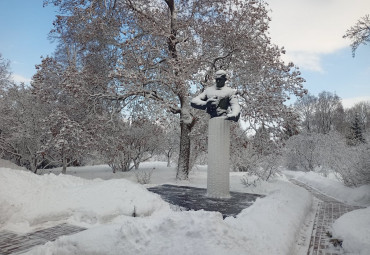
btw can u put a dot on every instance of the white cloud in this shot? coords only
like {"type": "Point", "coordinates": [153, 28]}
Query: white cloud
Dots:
{"type": "Point", "coordinates": [349, 102]}
{"type": "Point", "coordinates": [311, 28]}
{"type": "Point", "coordinates": [19, 79]}
{"type": "Point", "coordinates": [307, 60]}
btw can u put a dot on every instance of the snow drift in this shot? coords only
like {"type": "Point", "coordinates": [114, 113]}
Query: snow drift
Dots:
{"type": "Point", "coordinates": [28, 200]}
{"type": "Point", "coordinates": [105, 208]}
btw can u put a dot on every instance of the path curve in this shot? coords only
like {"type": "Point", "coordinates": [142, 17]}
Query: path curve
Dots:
{"type": "Point", "coordinates": [328, 210]}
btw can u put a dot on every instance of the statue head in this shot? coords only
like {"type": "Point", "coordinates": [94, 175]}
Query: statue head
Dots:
{"type": "Point", "coordinates": [220, 77]}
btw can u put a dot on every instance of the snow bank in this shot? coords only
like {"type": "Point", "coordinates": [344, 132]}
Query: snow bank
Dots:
{"type": "Point", "coordinates": [28, 200]}
{"type": "Point", "coordinates": [8, 164]}
{"type": "Point", "coordinates": [334, 188]}
{"type": "Point", "coordinates": [354, 229]}
{"type": "Point", "coordinates": [105, 207]}
{"type": "Point", "coordinates": [269, 226]}
{"type": "Point", "coordinates": [171, 233]}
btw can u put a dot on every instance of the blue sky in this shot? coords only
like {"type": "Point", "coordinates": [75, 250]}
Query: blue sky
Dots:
{"type": "Point", "coordinates": [24, 27]}
{"type": "Point", "coordinates": [310, 30]}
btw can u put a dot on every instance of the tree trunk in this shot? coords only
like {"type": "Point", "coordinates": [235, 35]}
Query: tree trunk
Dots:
{"type": "Point", "coordinates": [168, 155]}
{"type": "Point", "coordinates": [64, 169]}
{"type": "Point", "coordinates": [185, 119]}
{"type": "Point", "coordinates": [184, 155]}
{"type": "Point", "coordinates": [168, 160]}
{"type": "Point", "coordinates": [136, 164]}
{"type": "Point", "coordinates": [33, 164]}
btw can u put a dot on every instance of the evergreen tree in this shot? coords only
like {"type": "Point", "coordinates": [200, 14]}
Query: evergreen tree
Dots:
{"type": "Point", "coordinates": [355, 136]}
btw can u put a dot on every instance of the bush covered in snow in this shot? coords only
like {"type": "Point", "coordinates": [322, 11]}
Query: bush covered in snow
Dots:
{"type": "Point", "coordinates": [310, 151]}
{"type": "Point", "coordinates": [258, 155]}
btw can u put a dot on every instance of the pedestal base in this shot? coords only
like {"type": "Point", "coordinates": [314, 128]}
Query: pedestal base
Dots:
{"type": "Point", "coordinates": [191, 198]}
{"type": "Point", "coordinates": [218, 173]}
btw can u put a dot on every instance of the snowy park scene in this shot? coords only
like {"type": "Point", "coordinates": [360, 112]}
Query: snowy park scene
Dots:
{"type": "Point", "coordinates": [208, 127]}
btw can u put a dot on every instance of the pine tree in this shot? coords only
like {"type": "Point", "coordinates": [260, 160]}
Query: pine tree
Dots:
{"type": "Point", "coordinates": [355, 136]}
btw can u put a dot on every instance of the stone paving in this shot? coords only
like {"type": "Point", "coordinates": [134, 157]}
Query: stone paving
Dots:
{"type": "Point", "coordinates": [13, 243]}
{"type": "Point", "coordinates": [329, 209]}
{"type": "Point", "coordinates": [191, 198]}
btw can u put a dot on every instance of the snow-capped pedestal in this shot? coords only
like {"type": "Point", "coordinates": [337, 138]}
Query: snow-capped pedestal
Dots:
{"type": "Point", "coordinates": [218, 184]}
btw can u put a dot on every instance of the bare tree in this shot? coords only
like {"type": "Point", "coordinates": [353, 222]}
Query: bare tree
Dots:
{"type": "Point", "coordinates": [21, 122]}
{"type": "Point", "coordinates": [124, 144]}
{"type": "Point", "coordinates": [170, 143]}
{"type": "Point", "coordinates": [143, 140]}
{"type": "Point", "coordinates": [359, 33]}
{"type": "Point", "coordinates": [326, 110]}
{"type": "Point", "coordinates": [66, 140]}
{"type": "Point", "coordinates": [5, 80]}
{"type": "Point", "coordinates": [305, 107]}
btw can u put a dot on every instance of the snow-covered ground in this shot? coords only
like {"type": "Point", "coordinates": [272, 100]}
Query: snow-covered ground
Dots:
{"type": "Point", "coordinates": [353, 227]}
{"type": "Point", "coordinates": [105, 203]}
{"type": "Point", "coordinates": [332, 187]}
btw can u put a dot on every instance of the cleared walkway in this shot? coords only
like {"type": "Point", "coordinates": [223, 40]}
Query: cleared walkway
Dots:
{"type": "Point", "coordinates": [329, 209]}
{"type": "Point", "coordinates": [12, 243]}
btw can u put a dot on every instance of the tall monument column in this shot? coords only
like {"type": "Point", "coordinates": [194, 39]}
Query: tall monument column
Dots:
{"type": "Point", "coordinates": [218, 179]}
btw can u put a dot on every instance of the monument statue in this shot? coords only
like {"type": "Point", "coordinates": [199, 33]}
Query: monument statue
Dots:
{"type": "Point", "coordinates": [222, 105]}
{"type": "Point", "coordinates": [218, 98]}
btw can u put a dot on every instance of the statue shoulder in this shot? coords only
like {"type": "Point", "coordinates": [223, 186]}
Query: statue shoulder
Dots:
{"type": "Point", "coordinates": [231, 91]}
{"type": "Point", "coordinates": [210, 89]}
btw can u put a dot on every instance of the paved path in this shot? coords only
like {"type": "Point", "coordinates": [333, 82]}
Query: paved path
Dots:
{"type": "Point", "coordinates": [191, 198]}
{"type": "Point", "coordinates": [329, 209]}
{"type": "Point", "coordinates": [13, 243]}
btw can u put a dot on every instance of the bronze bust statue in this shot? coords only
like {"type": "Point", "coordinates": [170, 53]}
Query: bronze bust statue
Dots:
{"type": "Point", "coordinates": [218, 98]}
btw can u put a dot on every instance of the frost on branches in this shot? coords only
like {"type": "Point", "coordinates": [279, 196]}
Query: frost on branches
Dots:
{"type": "Point", "coordinates": [330, 139]}
{"type": "Point", "coordinates": [21, 118]}
{"type": "Point", "coordinates": [326, 153]}
{"type": "Point", "coordinates": [258, 155]}
{"type": "Point", "coordinates": [4, 73]}
{"type": "Point", "coordinates": [164, 51]}
{"type": "Point", "coordinates": [125, 144]}
{"type": "Point", "coordinates": [66, 140]}
{"type": "Point", "coordinates": [359, 33]}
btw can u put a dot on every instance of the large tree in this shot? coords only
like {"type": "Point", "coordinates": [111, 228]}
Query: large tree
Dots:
{"type": "Point", "coordinates": [166, 50]}
{"type": "Point", "coordinates": [305, 108]}
{"type": "Point", "coordinates": [320, 114]}
{"type": "Point", "coordinates": [21, 122]}
{"type": "Point", "coordinates": [328, 110]}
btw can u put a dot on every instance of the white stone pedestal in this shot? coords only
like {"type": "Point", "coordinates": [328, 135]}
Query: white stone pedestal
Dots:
{"type": "Point", "coordinates": [218, 178]}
